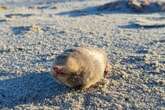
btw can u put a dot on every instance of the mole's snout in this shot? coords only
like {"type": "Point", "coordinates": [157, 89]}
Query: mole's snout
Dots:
{"type": "Point", "coordinates": [57, 70]}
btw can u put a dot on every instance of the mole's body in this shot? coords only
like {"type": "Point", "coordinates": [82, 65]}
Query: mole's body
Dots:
{"type": "Point", "coordinates": [80, 67]}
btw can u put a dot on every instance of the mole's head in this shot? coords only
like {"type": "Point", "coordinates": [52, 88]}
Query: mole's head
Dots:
{"type": "Point", "coordinates": [66, 71]}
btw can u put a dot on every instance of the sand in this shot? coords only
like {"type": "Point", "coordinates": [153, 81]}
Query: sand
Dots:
{"type": "Point", "coordinates": [33, 33]}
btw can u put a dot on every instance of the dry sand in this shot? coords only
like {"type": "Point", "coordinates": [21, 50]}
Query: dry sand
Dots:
{"type": "Point", "coordinates": [34, 32]}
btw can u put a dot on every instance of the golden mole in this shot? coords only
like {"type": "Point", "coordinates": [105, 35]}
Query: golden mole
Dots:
{"type": "Point", "coordinates": [80, 67]}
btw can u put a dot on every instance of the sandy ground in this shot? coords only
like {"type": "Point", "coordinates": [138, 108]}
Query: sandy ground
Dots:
{"type": "Point", "coordinates": [33, 33]}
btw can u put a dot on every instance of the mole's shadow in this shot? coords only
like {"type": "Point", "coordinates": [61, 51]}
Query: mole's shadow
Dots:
{"type": "Point", "coordinates": [30, 88]}
{"type": "Point", "coordinates": [113, 7]}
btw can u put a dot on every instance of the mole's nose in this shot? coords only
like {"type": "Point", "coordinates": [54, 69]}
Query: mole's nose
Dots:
{"type": "Point", "coordinates": [58, 70]}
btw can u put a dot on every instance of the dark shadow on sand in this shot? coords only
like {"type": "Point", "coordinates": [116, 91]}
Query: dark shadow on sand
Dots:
{"type": "Point", "coordinates": [20, 29]}
{"type": "Point", "coordinates": [18, 15]}
{"type": "Point", "coordinates": [30, 88]}
{"type": "Point", "coordinates": [110, 8]}
{"type": "Point", "coordinates": [3, 20]}
{"type": "Point", "coordinates": [136, 26]}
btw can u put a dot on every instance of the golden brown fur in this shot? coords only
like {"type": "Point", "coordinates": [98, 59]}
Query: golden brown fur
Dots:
{"type": "Point", "coordinates": [80, 67]}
